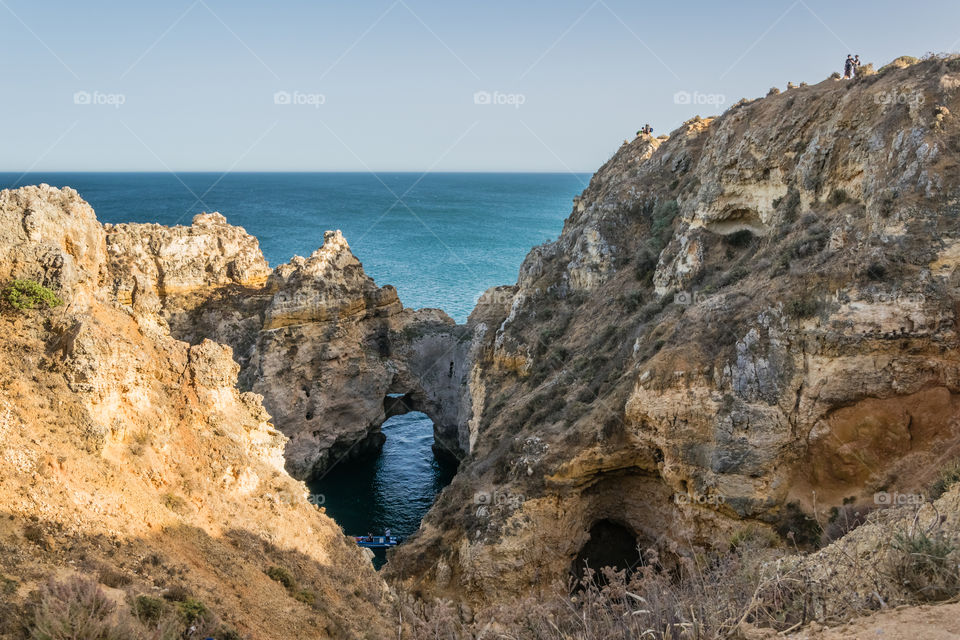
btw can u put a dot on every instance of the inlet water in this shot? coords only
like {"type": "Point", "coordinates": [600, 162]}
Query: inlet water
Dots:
{"type": "Point", "coordinates": [393, 491]}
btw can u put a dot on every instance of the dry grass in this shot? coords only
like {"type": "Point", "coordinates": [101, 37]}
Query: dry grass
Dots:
{"type": "Point", "coordinates": [704, 597]}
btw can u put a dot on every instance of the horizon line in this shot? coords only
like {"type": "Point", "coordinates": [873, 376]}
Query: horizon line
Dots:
{"type": "Point", "coordinates": [303, 171]}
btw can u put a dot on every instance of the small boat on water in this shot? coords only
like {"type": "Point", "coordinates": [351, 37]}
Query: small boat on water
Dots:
{"type": "Point", "coordinates": [377, 542]}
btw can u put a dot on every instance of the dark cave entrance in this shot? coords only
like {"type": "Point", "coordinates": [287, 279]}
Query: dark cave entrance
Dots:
{"type": "Point", "coordinates": [611, 544]}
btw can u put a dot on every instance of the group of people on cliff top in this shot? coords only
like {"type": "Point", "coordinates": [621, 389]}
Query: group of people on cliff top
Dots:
{"type": "Point", "coordinates": [851, 67]}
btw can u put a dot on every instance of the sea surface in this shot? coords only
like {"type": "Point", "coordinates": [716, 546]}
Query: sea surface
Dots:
{"type": "Point", "coordinates": [441, 239]}
{"type": "Point", "coordinates": [393, 491]}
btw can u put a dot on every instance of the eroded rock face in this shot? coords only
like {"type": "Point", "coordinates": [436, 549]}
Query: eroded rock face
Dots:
{"type": "Point", "coordinates": [51, 236]}
{"type": "Point", "coordinates": [125, 450]}
{"type": "Point", "coordinates": [759, 311]}
{"type": "Point", "coordinates": [316, 337]}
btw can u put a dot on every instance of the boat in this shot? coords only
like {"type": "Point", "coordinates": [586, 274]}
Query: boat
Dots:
{"type": "Point", "coordinates": [377, 542]}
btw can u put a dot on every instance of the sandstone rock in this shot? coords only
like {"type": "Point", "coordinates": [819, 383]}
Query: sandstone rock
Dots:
{"type": "Point", "coordinates": [128, 443]}
{"type": "Point", "coordinates": [759, 311]}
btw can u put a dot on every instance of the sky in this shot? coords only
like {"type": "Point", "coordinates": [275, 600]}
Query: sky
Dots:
{"type": "Point", "coordinates": [408, 85]}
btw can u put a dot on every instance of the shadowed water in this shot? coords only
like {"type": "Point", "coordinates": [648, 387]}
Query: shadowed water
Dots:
{"type": "Point", "coordinates": [393, 491]}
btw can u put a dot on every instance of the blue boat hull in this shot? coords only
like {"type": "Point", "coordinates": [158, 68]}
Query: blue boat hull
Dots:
{"type": "Point", "coordinates": [377, 542]}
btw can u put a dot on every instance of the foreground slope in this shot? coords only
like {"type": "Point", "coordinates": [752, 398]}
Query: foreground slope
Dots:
{"type": "Point", "coordinates": [751, 322]}
{"type": "Point", "coordinates": [130, 457]}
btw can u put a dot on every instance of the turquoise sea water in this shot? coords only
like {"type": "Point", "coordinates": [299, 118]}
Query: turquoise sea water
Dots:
{"type": "Point", "coordinates": [441, 239]}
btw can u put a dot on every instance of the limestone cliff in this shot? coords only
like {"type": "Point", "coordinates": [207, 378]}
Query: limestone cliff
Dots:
{"type": "Point", "coordinates": [743, 322]}
{"type": "Point", "coordinates": [131, 457]}
{"type": "Point", "coordinates": [316, 337]}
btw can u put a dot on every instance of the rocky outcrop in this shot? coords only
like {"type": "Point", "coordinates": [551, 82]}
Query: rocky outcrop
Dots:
{"type": "Point", "coordinates": [749, 322]}
{"type": "Point", "coordinates": [332, 354]}
{"type": "Point", "coordinates": [131, 457]}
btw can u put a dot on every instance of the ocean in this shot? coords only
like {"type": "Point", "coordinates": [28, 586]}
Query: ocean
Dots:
{"type": "Point", "coordinates": [440, 238]}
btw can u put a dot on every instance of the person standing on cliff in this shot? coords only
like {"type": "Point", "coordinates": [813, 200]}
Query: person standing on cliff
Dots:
{"type": "Point", "coordinates": [848, 67]}
{"type": "Point", "coordinates": [856, 65]}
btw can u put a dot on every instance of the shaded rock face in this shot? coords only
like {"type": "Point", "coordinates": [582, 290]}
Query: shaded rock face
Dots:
{"type": "Point", "coordinates": [759, 311]}
{"type": "Point", "coordinates": [119, 442]}
{"type": "Point", "coordinates": [316, 337]}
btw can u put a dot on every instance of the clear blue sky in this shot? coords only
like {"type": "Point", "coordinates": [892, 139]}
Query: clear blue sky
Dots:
{"type": "Point", "coordinates": [198, 78]}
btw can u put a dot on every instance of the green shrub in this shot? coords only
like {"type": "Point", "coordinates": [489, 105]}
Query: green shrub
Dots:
{"type": "Point", "coordinates": [948, 477]}
{"type": "Point", "coordinates": [192, 610]}
{"type": "Point", "coordinates": [662, 217]}
{"type": "Point", "coordinates": [27, 294]}
{"type": "Point", "coordinates": [148, 609]}
{"type": "Point", "coordinates": [281, 575]}
{"type": "Point", "coordinates": [922, 564]}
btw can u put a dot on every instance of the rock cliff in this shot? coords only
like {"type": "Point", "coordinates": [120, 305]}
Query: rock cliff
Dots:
{"type": "Point", "coordinates": [131, 457]}
{"type": "Point", "coordinates": [332, 354]}
{"type": "Point", "coordinates": [747, 323]}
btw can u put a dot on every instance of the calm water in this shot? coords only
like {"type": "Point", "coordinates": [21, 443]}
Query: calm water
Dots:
{"type": "Point", "coordinates": [395, 490]}
{"type": "Point", "coordinates": [449, 238]}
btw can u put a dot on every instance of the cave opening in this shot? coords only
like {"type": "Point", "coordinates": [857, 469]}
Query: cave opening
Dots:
{"type": "Point", "coordinates": [394, 489]}
{"type": "Point", "coordinates": [611, 544]}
